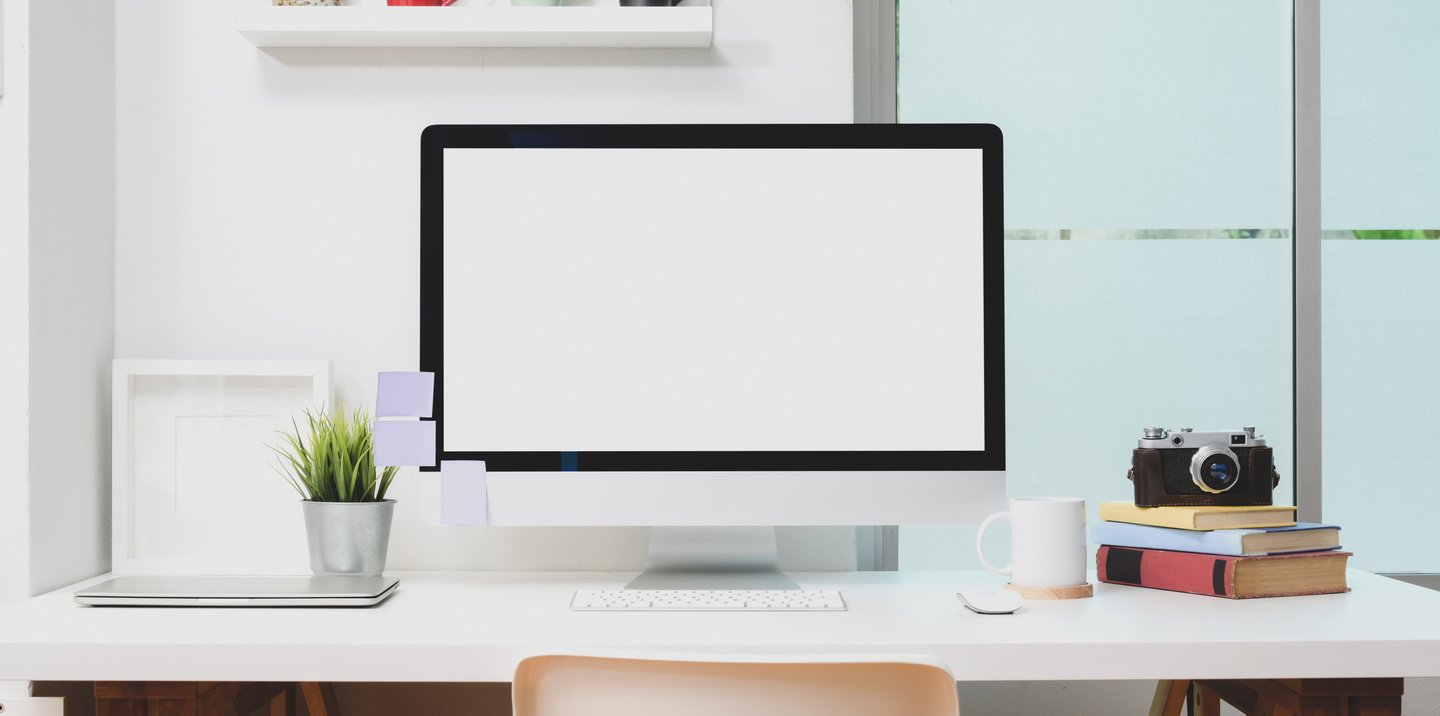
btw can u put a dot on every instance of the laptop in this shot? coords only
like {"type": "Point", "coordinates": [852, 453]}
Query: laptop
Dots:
{"type": "Point", "coordinates": [238, 592]}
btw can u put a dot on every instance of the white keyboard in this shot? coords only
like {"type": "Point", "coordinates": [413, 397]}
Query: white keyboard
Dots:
{"type": "Point", "coordinates": [707, 600]}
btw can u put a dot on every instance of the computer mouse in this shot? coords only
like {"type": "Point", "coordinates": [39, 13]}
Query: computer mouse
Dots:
{"type": "Point", "coordinates": [991, 601]}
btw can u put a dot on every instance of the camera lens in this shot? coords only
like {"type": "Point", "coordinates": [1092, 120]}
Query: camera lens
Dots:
{"type": "Point", "coordinates": [1214, 469]}
{"type": "Point", "coordinates": [1219, 473]}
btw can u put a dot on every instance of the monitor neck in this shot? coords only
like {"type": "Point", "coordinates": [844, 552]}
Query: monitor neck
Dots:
{"type": "Point", "coordinates": [712, 558]}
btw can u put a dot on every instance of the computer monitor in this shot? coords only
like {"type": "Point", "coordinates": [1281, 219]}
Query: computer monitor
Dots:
{"type": "Point", "coordinates": [698, 325]}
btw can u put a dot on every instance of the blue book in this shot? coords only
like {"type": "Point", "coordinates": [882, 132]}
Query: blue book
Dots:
{"type": "Point", "coordinates": [1301, 537]}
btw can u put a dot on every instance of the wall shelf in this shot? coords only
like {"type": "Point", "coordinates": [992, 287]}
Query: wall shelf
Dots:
{"type": "Point", "coordinates": [481, 26]}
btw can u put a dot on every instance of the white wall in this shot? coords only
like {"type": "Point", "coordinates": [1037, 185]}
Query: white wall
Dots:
{"type": "Point", "coordinates": [56, 291]}
{"type": "Point", "coordinates": [72, 149]}
{"type": "Point", "coordinates": [14, 299]}
{"type": "Point", "coordinates": [267, 201]}
{"type": "Point", "coordinates": [267, 208]}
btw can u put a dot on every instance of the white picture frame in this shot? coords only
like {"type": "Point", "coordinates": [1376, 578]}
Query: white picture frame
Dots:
{"type": "Point", "coordinates": [195, 489]}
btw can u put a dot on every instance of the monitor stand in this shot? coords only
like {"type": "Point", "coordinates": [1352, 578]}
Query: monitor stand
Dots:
{"type": "Point", "coordinates": [712, 558]}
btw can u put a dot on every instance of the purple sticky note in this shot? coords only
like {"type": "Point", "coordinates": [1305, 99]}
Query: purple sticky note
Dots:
{"type": "Point", "coordinates": [406, 443]}
{"type": "Point", "coordinates": [464, 496]}
{"type": "Point", "coordinates": [405, 395]}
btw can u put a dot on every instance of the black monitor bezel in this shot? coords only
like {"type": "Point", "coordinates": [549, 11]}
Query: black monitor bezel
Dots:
{"type": "Point", "coordinates": [437, 138]}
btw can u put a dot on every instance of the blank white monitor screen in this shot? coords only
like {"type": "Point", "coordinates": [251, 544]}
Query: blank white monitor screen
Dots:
{"type": "Point", "coordinates": [676, 299]}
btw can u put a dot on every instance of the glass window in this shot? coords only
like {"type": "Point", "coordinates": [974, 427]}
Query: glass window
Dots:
{"type": "Point", "coordinates": [1380, 114]}
{"type": "Point", "coordinates": [1148, 209]}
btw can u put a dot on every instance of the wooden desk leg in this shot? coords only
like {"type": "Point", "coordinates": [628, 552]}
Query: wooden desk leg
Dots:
{"type": "Point", "coordinates": [143, 698]}
{"type": "Point", "coordinates": [1372, 706]}
{"type": "Point", "coordinates": [1266, 707]}
{"type": "Point", "coordinates": [284, 703]}
{"type": "Point", "coordinates": [184, 698]}
{"type": "Point", "coordinates": [320, 699]}
{"type": "Point", "coordinates": [1307, 697]}
{"type": "Point", "coordinates": [245, 699]}
{"type": "Point", "coordinates": [1207, 702]}
{"type": "Point", "coordinates": [1169, 698]}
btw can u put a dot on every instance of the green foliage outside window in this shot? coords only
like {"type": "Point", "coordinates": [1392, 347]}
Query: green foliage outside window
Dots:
{"type": "Point", "coordinates": [1399, 234]}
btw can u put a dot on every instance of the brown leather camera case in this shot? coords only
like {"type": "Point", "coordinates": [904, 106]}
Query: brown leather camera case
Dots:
{"type": "Point", "coordinates": [1148, 473]}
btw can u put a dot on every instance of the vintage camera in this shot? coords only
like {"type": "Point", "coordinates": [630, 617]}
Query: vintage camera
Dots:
{"type": "Point", "coordinates": [1184, 467]}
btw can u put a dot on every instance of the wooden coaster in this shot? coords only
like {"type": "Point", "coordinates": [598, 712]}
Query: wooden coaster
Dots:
{"type": "Point", "coordinates": [1079, 591]}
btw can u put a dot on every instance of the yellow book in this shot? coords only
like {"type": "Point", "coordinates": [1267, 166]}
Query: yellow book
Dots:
{"type": "Point", "coordinates": [1200, 518]}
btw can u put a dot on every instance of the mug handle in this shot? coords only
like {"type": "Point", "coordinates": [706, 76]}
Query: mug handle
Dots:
{"type": "Point", "coordinates": [980, 543]}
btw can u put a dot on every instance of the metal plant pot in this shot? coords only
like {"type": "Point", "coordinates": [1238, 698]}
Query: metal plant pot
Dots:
{"type": "Point", "coordinates": [348, 537]}
{"type": "Point", "coordinates": [649, 3]}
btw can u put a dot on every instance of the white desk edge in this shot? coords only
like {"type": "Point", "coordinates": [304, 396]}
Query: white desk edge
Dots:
{"type": "Point", "coordinates": [475, 626]}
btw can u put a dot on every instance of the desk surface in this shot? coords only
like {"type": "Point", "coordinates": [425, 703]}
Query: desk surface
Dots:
{"type": "Point", "coordinates": [475, 626]}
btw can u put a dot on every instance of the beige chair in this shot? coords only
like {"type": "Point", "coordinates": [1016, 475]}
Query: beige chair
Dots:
{"type": "Point", "coordinates": [733, 686]}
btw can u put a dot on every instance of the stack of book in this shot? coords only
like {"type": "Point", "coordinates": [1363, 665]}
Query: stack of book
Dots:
{"type": "Point", "coordinates": [1232, 552]}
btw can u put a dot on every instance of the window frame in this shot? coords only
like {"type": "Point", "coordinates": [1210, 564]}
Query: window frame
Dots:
{"type": "Point", "coordinates": [876, 101]}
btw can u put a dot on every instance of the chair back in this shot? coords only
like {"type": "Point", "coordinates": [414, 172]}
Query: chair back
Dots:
{"type": "Point", "coordinates": [575, 685]}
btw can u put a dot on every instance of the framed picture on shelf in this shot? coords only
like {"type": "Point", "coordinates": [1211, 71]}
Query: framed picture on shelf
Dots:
{"type": "Point", "coordinates": [195, 485]}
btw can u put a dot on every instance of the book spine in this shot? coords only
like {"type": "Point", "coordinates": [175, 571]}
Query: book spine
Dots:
{"type": "Point", "coordinates": [1120, 534]}
{"type": "Point", "coordinates": [1171, 517]}
{"type": "Point", "coordinates": [1206, 574]}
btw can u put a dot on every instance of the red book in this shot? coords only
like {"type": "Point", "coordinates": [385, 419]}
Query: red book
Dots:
{"type": "Point", "coordinates": [1280, 575]}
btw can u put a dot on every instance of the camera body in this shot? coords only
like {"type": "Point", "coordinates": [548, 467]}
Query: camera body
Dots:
{"type": "Point", "coordinates": [1184, 467]}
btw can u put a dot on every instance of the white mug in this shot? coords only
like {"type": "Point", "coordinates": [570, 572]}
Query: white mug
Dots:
{"type": "Point", "coordinates": [1047, 542]}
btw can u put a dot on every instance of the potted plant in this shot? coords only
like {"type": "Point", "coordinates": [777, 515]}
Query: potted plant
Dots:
{"type": "Point", "coordinates": [332, 466]}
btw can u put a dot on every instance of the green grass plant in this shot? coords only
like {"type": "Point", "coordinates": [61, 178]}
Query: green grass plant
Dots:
{"type": "Point", "coordinates": [333, 460]}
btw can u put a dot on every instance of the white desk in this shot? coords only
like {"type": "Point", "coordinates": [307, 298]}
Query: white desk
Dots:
{"type": "Point", "coordinates": [475, 626]}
